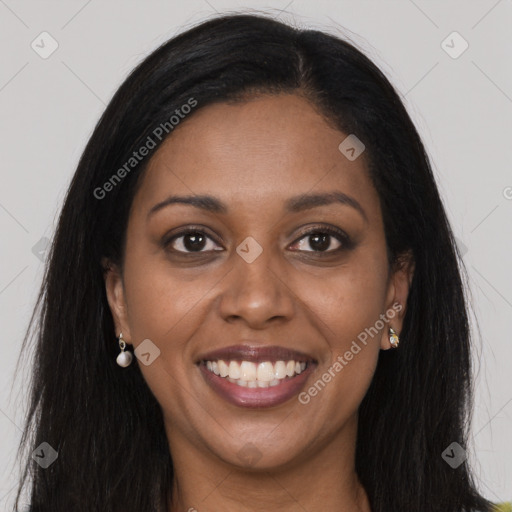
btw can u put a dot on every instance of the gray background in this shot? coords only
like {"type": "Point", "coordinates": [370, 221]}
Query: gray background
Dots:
{"type": "Point", "coordinates": [462, 107]}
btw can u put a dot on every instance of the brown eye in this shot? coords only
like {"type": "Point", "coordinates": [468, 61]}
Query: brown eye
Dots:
{"type": "Point", "coordinates": [322, 240]}
{"type": "Point", "coordinates": [192, 241]}
{"type": "Point", "coordinates": [319, 242]}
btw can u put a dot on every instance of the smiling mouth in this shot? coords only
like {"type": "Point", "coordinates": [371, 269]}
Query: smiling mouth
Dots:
{"type": "Point", "coordinates": [251, 374]}
{"type": "Point", "coordinates": [256, 375]}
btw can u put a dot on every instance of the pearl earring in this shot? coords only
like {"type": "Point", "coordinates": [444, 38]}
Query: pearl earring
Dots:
{"type": "Point", "coordinates": [393, 338]}
{"type": "Point", "coordinates": [123, 359]}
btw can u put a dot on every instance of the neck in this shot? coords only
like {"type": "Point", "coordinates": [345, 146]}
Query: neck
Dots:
{"type": "Point", "coordinates": [320, 479]}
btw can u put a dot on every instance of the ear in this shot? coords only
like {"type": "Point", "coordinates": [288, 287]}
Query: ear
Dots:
{"type": "Point", "coordinates": [116, 298]}
{"type": "Point", "coordinates": [398, 290]}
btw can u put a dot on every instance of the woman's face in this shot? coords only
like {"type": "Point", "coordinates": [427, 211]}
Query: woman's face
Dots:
{"type": "Point", "coordinates": [257, 269]}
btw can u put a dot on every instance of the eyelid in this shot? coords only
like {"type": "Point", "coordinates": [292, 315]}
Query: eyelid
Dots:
{"type": "Point", "coordinates": [185, 230]}
{"type": "Point", "coordinates": [337, 233]}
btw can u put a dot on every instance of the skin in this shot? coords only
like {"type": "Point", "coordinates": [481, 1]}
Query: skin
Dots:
{"type": "Point", "coordinates": [254, 156]}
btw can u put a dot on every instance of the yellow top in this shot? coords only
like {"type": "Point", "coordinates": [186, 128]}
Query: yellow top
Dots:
{"type": "Point", "coordinates": [504, 507]}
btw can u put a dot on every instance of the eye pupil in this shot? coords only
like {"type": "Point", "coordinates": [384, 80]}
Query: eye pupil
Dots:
{"type": "Point", "coordinates": [194, 241]}
{"type": "Point", "coordinates": [319, 242]}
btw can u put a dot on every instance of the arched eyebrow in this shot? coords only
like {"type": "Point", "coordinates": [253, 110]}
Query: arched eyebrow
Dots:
{"type": "Point", "coordinates": [292, 205]}
{"type": "Point", "coordinates": [204, 202]}
{"type": "Point", "coordinates": [307, 201]}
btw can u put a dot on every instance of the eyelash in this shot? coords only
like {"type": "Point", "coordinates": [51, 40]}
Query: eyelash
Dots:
{"type": "Point", "coordinates": [338, 234]}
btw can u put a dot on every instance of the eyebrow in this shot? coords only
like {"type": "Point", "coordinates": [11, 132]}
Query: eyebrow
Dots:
{"type": "Point", "coordinates": [307, 201]}
{"type": "Point", "coordinates": [293, 205]}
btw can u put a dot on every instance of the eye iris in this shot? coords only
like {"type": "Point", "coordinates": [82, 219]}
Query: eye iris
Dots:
{"type": "Point", "coordinates": [319, 241]}
{"type": "Point", "coordinates": [194, 241]}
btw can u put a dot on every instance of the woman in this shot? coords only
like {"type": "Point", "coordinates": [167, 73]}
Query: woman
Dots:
{"type": "Point", "coordinates": [253, 298]}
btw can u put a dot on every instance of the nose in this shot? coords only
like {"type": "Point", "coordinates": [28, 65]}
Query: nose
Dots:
{"type": "Point", "coordinates": [256, 293]}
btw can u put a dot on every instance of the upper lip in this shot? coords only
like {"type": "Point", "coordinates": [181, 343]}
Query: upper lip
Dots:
{"type": "Point", "coordinates": [255, 354]}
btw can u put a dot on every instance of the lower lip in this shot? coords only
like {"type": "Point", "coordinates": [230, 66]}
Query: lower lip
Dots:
{"type": "Point", "coordinates": [256, 397]}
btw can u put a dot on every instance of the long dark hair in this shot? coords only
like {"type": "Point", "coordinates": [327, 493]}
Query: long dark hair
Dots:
{"type": "Point", "coordinates": [105, 424]}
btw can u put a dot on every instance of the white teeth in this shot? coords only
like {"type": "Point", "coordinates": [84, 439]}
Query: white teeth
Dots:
{"type": "Point", "coordinates": [247, 371]}
{"type": "Point", "coordinates": [234, 370]}
{"type": "Point", "coordinates": [280, 370]}
{"type": "Point", "coordinates": [256, 375]}
{"type": "Point", "coordinates": [265, 372]}
{"type": "Point", "coordinates": [254, 384]}
{"type": "Point", "coordinates": [223, 368]}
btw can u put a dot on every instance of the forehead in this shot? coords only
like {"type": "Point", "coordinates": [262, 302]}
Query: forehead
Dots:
{"type": "Point", "coordinates": [262, 150]}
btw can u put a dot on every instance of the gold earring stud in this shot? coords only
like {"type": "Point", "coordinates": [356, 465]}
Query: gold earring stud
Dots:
{"type": "Point", "coordinates": [393, 338]}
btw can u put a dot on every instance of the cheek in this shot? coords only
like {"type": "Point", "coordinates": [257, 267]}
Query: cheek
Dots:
{"type": "Point", "coordinates": [349, 301]}
{"type": "Point", "coordinates": [168, 307]}
{"type": "Point", "coordinates": [347, 309]}
{"type": "Point", "coordinates": [161, 300]}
